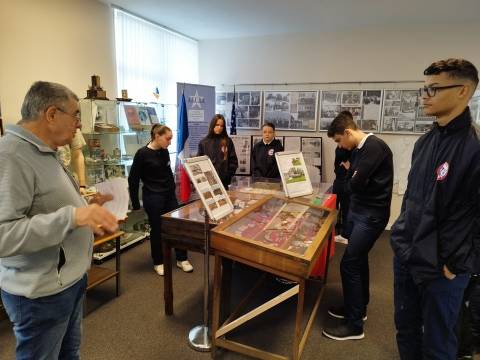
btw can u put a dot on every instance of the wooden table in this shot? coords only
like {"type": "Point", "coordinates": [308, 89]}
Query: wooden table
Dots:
{"type": "Point", "coordinates": [99, 274]}
{"type": "Point", "coordinates": [184, 228]}
{"type": "Point", "coordinates": [285, 243]}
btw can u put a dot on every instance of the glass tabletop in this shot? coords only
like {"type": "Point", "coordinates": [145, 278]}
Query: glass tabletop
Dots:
{"type": "Point", "coordinates": [281, 223]}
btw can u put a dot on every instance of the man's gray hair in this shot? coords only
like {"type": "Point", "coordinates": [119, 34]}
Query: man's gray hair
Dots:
{"type": "Point", "coordinates": [43, 94]}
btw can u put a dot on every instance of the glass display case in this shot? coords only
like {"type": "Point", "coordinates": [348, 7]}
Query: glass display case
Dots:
{"type": "Point", "coordinates": [279, 233]}
{"type": "Point", "coordinates": [114, 131]}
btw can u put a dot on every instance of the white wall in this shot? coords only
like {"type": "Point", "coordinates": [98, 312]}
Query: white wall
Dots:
{"type": "Point", "coordinates": [64, 41]}
{"type": "Point", "coordinates": [367, 54]}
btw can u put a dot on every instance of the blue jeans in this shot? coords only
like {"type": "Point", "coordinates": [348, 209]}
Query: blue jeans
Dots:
{"type": "Point", "coordinates": [47, 327]}
{"type": "Point", "coordinates": [362, 231]}
{"type": "Point", "coordinates": [425, 315]}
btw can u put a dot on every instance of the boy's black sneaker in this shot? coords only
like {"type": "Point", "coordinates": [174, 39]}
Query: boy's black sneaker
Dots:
{"type": "Point", "coordinates": [344, 331]}
{"type": "Point", "coordinates": [339, 312]}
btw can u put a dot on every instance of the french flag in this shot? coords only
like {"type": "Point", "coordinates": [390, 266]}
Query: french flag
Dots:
{"type": "Point", "coordinates": [182, 151]}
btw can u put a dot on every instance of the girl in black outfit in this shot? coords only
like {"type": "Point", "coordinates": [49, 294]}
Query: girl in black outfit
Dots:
{"type": "Point", "coordinates": [219, 148]}
{"type": "Point", "coordinates": [151, 164]}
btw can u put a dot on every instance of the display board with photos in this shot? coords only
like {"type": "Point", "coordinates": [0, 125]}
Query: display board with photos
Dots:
{"type": "Point", "coordinates": [209, 187]}
{"type": "Point", "coordinates": [294, 174]}
{"type": "Point", "coordinates": [243, 149]}
{"type": "Point", "coordinates": [291, 110]}
{"type": "Point", "coordinates": [365, 106]}
{"type": "Point", "coordinates": [248, 105]}
{"type": "Point", "coordinates": [475, 108]}
{"type": "Point", "coordinates": [402, 113]}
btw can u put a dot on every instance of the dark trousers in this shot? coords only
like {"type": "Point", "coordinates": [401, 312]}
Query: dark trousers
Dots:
{"type": "Point", "coordinates": [468, 324]}
{"type": "Point", "coordinates": [155, 205]}
{"type": "Point", "coordinates": [425, 315]}
{"type": "Point", "coordinates": [362, 232]}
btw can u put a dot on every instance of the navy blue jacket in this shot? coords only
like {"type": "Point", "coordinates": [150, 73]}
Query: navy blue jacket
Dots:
{"type": "Point", "coordinates": [263, 161]}
{"type": "Point", "coordinates": [439, 223]}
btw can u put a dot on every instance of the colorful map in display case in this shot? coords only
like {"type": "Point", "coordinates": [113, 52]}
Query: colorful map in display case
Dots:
{"type": "Point", "coordinates": [285, 225]}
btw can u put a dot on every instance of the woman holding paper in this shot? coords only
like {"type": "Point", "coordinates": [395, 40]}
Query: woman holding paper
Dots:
{"type": "Point", "coordinates": [151, 164]}
{"type": "Point", "coordinates": [219, 148]}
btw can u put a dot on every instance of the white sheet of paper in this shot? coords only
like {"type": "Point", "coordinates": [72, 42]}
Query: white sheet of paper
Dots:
{"type": "Point", "coordinates": [118, 188]}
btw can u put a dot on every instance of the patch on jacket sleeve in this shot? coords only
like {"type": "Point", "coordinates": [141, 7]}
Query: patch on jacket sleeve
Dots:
{"type": "Point", "coordinates": [442, 171]}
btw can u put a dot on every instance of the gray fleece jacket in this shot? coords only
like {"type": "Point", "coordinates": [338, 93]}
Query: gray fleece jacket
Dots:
{"type": "Point", "coordinates": [42, 252]}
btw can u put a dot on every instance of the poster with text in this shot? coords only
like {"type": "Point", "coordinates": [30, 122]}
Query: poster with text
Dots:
{"type": "Point", "coordinates": [200, 100]}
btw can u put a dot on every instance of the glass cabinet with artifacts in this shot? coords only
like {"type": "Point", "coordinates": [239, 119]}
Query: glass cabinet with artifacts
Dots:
{"type": "Point", "coordinates": [113, 132]}
{"type": "Point", "coordinates": [282, 234]}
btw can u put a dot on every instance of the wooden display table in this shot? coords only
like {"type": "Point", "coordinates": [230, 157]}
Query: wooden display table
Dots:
{"type": "Point", "coordinates": [98, 274]}
{"type": "Point", "coordinates": [278, 236]}
{"type": "Point", "coordinates": [183, 228]}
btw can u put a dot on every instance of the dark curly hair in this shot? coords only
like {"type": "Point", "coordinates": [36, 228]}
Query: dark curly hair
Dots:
{"type": "Point", "coordinates": [344, 120]}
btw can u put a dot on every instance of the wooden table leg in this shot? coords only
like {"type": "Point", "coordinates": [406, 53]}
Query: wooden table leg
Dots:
{"type": "Point", "coordinates": [117, 264]}
{"type": "Point", "coordinates": [299, 320]}
{"type": "Point", "coordinates": [167, 278]}
{"type": "Point", "coordinates": [217, 293]}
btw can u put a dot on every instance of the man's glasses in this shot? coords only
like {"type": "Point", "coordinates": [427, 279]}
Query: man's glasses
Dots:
{"type": "Point", "coordinates": [77, 116]}
{"type": "Point", "coordinates": [431, 91]}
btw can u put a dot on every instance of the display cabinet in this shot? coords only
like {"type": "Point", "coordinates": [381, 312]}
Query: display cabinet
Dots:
{"type": "Point", "coordinates": [114, 131]}
{"type": "Point", "coordinates": [280, 236]}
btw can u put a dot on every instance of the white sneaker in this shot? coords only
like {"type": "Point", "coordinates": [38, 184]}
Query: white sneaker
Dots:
{"type": "Point", "coordinates": [340, 239]}
{"type": "Point", "coordinates": [185, 266]}
{"type": "Point", "coordinates": [158, 269]}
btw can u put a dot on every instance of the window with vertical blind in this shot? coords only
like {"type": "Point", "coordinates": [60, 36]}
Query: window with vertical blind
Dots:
{"type": "Point", "coordinates": [149, 56]}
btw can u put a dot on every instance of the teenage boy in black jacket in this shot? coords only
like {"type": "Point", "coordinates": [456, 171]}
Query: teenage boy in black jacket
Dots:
{"type": "Point", "coordinates": [438, 228]}
{"type": "Point", "coordinates": [370, 181]}
{"type": "Point", "coordinates": [263, 160]}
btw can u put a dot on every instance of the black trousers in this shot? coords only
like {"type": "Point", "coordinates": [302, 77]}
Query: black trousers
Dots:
{"type": "Point", "coordinates": [468, 325]}
{"type": "Point", "coordinates": [155, 205]}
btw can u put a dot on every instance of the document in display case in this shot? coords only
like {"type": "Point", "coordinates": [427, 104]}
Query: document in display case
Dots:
{"type": "Point", "coordinates": [204, 177]}
{"type": "Point", "coordinates": [282, 234]}
{"type": "Point", "coordinates": [293, 171]}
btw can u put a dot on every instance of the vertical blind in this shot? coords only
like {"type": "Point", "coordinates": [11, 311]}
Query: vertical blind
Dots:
{"type": "Point", "coordinates": [149, 57]}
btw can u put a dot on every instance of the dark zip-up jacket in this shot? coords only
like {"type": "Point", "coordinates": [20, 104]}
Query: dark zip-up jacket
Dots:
{"type": "Point", "coordinates": [153, 168]}
{"type": "Point", "coordinates": [222, 153]}
{"type": "Point", "coordinates": [263, 160]}
{"type": "Point", "coordinates": [370, 178]}
{"type": "Point", "coordinates": [439, 221]}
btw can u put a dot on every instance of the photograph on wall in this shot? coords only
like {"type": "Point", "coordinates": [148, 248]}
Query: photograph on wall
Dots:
{"type": "Point", "coordinates": [292, 143]}
{"type": "Point", "coordinates": [247, 108]}
{"type": "Point", "coordinates": [312, 153]}
{"type": "Point", "coordinates": [371, 110]}
{"type": "Point", "coordinates": [333, 102]}
{"type": "Point", "coordinates": [294, 173]}
{"type": "Point", "coordinates": [209, 187]}
{"type": "Point", "coordinates": [475, 107]}
{"type": "Point", "coordinates": [291, 110]}
{"type": "Point", "coordinates": [399, 110]}
{"type": "Point", "coordinates": [242, 144]}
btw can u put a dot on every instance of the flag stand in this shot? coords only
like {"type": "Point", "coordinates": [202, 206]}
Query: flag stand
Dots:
{"type": "Point", "coordinates": [199, 336]}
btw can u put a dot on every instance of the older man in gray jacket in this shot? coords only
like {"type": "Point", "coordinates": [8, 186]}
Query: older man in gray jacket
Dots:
{"type": "Point", "coordinates": [46, 228]}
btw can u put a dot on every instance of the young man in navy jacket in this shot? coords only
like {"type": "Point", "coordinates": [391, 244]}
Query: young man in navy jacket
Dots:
{"type": "Point", "coordinates": [369, 182]}
{"type": "Point", "coordinates": [435, 236]}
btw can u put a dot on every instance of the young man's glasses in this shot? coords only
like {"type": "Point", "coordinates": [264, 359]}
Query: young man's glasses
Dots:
{"type": "Point", "coordinates": [431, 91]}
{"type": "Point", "coordinates": [77, 116]}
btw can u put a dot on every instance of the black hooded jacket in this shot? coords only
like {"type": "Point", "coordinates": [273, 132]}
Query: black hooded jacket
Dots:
{"type": "Point", "coordinates": [439, 223]}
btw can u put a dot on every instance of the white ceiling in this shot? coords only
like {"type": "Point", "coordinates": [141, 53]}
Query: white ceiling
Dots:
{"type": "Point", "coordinates": [215, 19]}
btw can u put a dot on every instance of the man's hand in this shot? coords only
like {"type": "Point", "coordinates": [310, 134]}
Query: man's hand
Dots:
{"type": "Point", "coordinates": [100, 198]}
{"type": "Point", "coordinates": [345, 164]}
{"type": "Point", "coordinates": [449, 275]}
{"type": "Point", "coordinates": [83, 190]}
{"type": "Point", "coordinates": [96, 218]}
